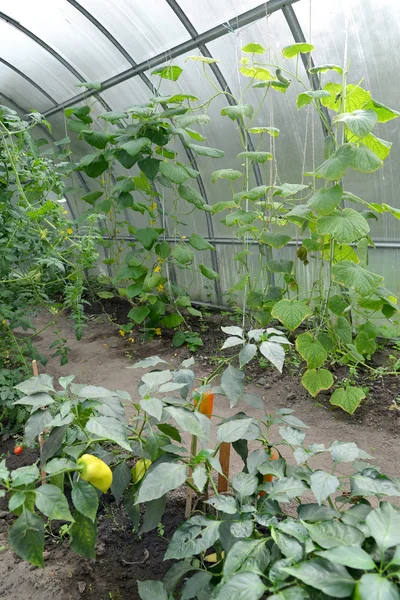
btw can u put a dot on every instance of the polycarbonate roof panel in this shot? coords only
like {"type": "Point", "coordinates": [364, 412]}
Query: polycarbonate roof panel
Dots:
{"type": "Point", "coordinates": [21, 91]}
{"type": "Point", "coordinates": [144, 29]}
{"type": "Point", "coordinates": [206, 14]}
{"type": "Point", "coordinates": [73, 36]}
{"type": "Point", "coordinates": [27, 56]}
{"type": "Point", "coordinates": [130, 92]}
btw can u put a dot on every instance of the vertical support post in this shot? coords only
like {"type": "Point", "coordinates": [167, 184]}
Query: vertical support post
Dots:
{"type": "Point", "coordinates": [224, 459]}
{"type": "Point", "coordinates": [41, 438]}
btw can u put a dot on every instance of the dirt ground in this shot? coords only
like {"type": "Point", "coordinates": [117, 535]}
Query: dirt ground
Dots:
{"type": "Point", "coordinates": [101, 358]}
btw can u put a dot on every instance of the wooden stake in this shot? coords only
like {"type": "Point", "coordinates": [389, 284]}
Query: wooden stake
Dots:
{"type": "Point", "coordinates": [189, 497]}
{"type": "Point", "coordinates": [41, 438]}
{"type": "Point", "coordinates": [224, 458]}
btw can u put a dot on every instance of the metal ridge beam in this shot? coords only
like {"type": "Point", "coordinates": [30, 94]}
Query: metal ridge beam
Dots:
{"type": "Point", "coordinates": [208, 36]}
{"type": "Point", "coordinates": [58, 57]}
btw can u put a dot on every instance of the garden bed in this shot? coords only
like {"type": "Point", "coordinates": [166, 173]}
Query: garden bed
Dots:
{"type": "Point", "coordinates": [123, 557]}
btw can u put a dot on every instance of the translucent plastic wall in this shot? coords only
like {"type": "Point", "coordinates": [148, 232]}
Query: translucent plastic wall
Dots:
{"type": "Point", "coordinates": [48, 48]}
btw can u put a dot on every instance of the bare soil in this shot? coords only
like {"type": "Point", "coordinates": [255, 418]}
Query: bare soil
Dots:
{"type": "Point", "coordinates": [102, 358]}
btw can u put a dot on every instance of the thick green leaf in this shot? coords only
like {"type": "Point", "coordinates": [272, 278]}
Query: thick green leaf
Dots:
{"type": "Point", "coordinates": [285, 489]}
{"type": "Point", "coordinates": [349, 556]}
{"type": "Point", "coordinates": [260, 157]}
{"type": "Point", "coordinates": [333, 580]}
{"type": "Point", "coordinates": [317, 380]}
{"type": "Point", "coordinates": [152, 590]}
{"type": "Point", "coordinates": [348, 398]}
{"type": "Point", "coordinates": [355, 277]}
{"type": "Point", "coordinates": [25, 475]}
{"type": "Point", "coordinates": [335, 166]}
{"type": "Point", "coordinates": [307, 97]}
{"type": "Point", "coordinates": [225, 504]}
{"type": "Point", "coordinates": [199, 243]}
{"type": "Point", "coordinates": [109, 428]}
{"type": "Point", "coordinates": [197, 584]}
{"type": "Point", "coordinates": [121, 478]}
{"type": "Point", "coordinates": [35, 400]}
{"type": "Point", "coordinates": [259, 73]}
{"type": "Point", "coordinates": [34, 385]}
{"type": "Point", "coordinates": [182, 254]}
{"type": "Point", "coordinates": [133, 147]}
{"type": "Point", "coordinates": [153, 514]}
{"type": "Point", "coordinates": [359, 122]}
{"type": "Point", "coordinates": [26, 537]}
{"type": "Point", "coordinates": [207, 272]}
{"type": "Point", "coordinates": [253, 48]}
{"type": "Point", "coordinates": [314, 513]}
{"type": "Point", "coordinates": [139, 314]}
{"type": "Point", "coordinates": [85, 499]}
{"type": "Point", "coordinates": [147, 237]}
{"type": "Point", "coordinates": [97, 139]}
{"type": "Point", "coordinates": [273, 131]}
{"type": "Point", "coordinates": [323, 484]}
{"type": "Point", "coordinates": [292, 435]}
{"type": "Point", "coordinates": [289, 547]}
{"type": "Point", "coordinates": [384, 526]}
{"type": "Point", "coordinates": [384, 112]}
{"type": "Point", "coordinates": [191, 195]}
{"type": "Point", "coordinates": [195, 535]}
{"type": "Point", "coordinates": [240, 586]}
{"type": "Point", "coordinates": [170, 72]}
{"type": "Point", "coordinates": [365, 160]}
{"type": "Point", "coordinates": [83, 534]}
{"type": "Point", "coordinates": [276, 240]}
{"type": "Point", "coordinates": [346, 226]}
{"type": "Point", "coordinates": [374, 587]}
{"type": "Point", "coordinates": [51, 502]}
{"type": "Point", "coordinates": [174, 173]}
{"type": "Point", "coordinates": [325, 200]}
{"type": "Point", "coordinates": [280, 266]}
{"type": "Point", "coordinates": [311, 350]}
{"type": "Point", "coordinates": [295, 49]}
{"type": "Point", "coordinates": [91, 197]}
{"type": "Point", "coordinates": [247, 555]}
{"type": "Point", "coordinates": [233, 430]}
{"type": "Point", "coordinates": [232, 382]}
{"type": "Point", "coordinates": [291, 312]}
{"type": "Point", "coordinates": [332, 534]}
{"type": "Point", "coordinates": [237, 111]}
{"type": "Point", "coordinates": [244, 485]}
{"type": "Point", "coordinates": [226, 174]}
{"type": "Point", "coordinates": [207, 151]}
{"type": "Point", "coordinates": [160, 480]}
{"type": "Point", "coordinates": [325, 68]}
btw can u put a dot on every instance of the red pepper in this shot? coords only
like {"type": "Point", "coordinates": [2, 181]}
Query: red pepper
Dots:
{"type": "Point", "coordinates": [267, 478]}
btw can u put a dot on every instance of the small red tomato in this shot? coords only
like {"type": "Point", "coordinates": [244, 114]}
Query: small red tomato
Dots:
{"type": "Point", "coordinates": [18, 450]}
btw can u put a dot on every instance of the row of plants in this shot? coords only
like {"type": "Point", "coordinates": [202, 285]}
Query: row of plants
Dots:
{"type": "Point", "coordinates": [345, 304]}
{"type": "Point", "coordinates": [135, 162]}
{"type": "Point", "coordinates": [44, 255]}
{"type": "Point", "coordinates": [284, 529]}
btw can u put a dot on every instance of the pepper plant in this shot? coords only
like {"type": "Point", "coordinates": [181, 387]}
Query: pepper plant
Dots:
{"type": "Point", "coordinates": [83, 431]}
{"type": "Point", "coordinates": [306, 533]}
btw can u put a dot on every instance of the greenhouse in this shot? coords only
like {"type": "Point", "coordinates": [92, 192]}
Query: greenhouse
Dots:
{"type": "Point", "coordinates": [199, 315]}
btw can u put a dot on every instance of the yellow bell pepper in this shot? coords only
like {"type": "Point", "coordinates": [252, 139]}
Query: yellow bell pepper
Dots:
{"type": "Point", "coordinates": [95, 471]}
{"type": "Point", "coordinates": [139, 470]}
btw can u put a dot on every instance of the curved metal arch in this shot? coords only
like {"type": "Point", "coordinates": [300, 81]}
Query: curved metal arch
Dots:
{"type": "Point", "coordinates": [57, 56]}
{"type": "Point", "coordinates": [29, 80]}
